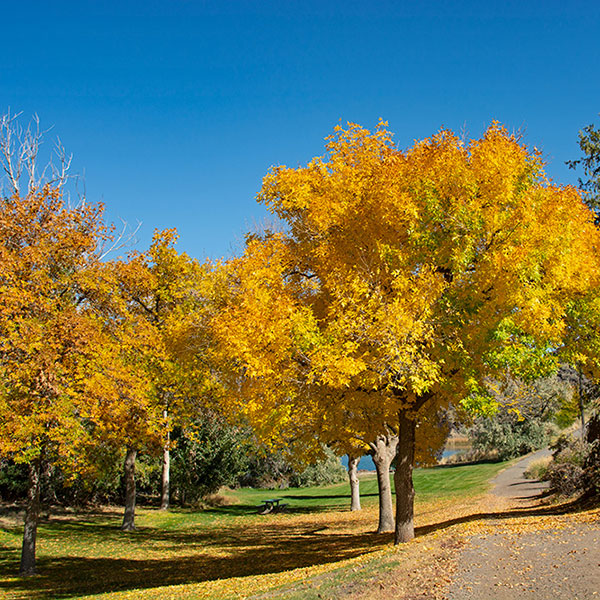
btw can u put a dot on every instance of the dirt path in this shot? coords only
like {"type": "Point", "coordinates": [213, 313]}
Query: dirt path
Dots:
{"type": "Point", "coordinates": [511, 482]}
{"type": "Point", "coordinates": [561, 563]}
{"type": "Point", "coordinates": [545, 565]}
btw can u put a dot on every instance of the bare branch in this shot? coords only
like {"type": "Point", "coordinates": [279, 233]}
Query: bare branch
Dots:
{"type": "Point", "coordinates": [122, 240]}
{"type": "Point", "coordinates": [20, 157]}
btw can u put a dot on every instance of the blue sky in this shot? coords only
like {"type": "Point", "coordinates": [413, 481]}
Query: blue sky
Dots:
{"type": "Point", "coordinates": [175, 110]}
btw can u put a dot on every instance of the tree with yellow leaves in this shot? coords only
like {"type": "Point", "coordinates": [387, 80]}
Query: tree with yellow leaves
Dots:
{"type": "Point", "coordinates": [399, 274]}
{"type": "Point", "coordinates": [51, 336]}
{"type": "Point", "coordinates": [166, 300]}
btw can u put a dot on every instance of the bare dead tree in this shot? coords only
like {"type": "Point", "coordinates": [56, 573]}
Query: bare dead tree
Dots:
{"type": "Point", "coordinates": [24, 172]}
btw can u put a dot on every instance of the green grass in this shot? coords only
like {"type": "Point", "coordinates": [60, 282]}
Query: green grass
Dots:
{"type": "Point", "coordinates": [455, 480]}
{"type": "Point", "coordinates": [87, 554]}
{"type": "Point", "coordinates": [451, 481]}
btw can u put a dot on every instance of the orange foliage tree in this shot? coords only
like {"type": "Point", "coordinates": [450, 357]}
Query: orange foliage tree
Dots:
{"type": "Point", "coordinates": [164, 302]}
{"type": "Point", "coordinates": [51, 336]}
{"type": "Point", "coordinates": [398, 281]}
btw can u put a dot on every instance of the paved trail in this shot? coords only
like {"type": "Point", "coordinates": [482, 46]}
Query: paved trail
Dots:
{"type": "Point", "coordinates": [511, 482]}
{"type": "Point", "coordinates": [559, 564]}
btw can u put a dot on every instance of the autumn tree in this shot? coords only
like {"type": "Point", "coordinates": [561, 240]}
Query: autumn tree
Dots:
{"type": "Point", "coordinates": [126, 415]}
{"type": "Point", "coordinates": [399, 277]}
{"type": "Point", "coordinates": [51, 334]}
{"type": "Point", "coordinates": [164, 304]}
{"type": "Point", "coordinates": [358, 423]}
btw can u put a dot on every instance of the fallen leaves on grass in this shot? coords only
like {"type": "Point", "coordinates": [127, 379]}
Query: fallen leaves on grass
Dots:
{"type": "Point", "coordinates": [185, 555]}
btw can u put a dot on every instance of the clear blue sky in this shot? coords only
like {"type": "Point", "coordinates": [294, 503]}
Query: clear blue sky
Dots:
{"type": "Point", "coordinates": [175, 110]}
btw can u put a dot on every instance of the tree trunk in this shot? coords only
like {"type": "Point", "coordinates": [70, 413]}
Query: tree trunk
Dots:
{"type": "Point", "coordinates": [129, 516]}
{"type": "Point", "coordinates": [581, 407]}
{"type": "Point", "coordinates": [166, 472]}
{"type": "Point", "coordinates": [32, 515]}
{"type": "Point", "coordinates": [403, 481]}
{"type": "Point", "coordinates": [383, 452]}
{"type": "Point", "coordinates": [354, 482]}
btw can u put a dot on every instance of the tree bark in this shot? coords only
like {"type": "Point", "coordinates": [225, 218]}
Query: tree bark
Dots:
{"type": "Point", "coordinates": [32, 516]}
{"type": "Point", "coordinates": [354, 482]}
{"type": "Point", "coordinates": [383, 451]}
{"type": "Point", "coordinates": [166, 472]}
{"type": "Point", "coordinates": [403, 481]}
{"type": "Point", "coordinates": [581, 407]}
{"type": "Point", "coordinates": [129, 516]}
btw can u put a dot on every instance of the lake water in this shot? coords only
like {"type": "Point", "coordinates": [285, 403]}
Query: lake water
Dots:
{"type": "Point", "coordinates": [366, 462]}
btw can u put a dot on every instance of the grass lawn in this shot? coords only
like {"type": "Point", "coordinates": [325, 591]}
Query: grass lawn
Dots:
{"type": "Point", "coordinates": [225, 552]}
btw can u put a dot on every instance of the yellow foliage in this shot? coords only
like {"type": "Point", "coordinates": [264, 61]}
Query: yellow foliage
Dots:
{"type": "Point", "coordinates": [395, 272]}
{"type": "Point", "coordinates": [51, 333]}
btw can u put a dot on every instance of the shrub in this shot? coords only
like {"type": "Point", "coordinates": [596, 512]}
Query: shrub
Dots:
{"type": "Point", "coordinates": [566, 479]}
{"type": "Point", "coordinates": [537, 469]}
{"type": "Point", "coordinates": [591, 464]}
{"type": "Point", "coordinates": [13, 480]}
{"type": "Point", "coordinates": [324, 472]}
{"type": "Point", "coordinates": [207, 456]}
{"type": "Point", "coordinates": [507, 436]}
{"type": "Point", "coordinates": [591, 469]}
{"type": "Point", "coordinates": [566, 472]}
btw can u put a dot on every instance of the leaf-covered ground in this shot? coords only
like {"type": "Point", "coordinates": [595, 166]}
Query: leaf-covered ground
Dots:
{"type": "Point", "coordinates": [317, 549]}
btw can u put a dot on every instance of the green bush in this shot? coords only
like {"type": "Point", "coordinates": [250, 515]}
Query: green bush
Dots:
{"type": "Point", "coordinates": [526, 415]}
{"type": "Point", "coordinates": [324, 472]}
{"type": "Point", "coordinates": [13, 481]}
{"type": "Point", "coordinates": [507, 436]}
{"type": "Point", "coordinates": [206, 456]}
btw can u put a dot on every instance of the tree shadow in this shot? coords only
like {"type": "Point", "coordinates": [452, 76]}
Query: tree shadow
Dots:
{"type": "Point", "coordinates": [273, 548]}
{"type": "Point", "coordinates": [196, 554]}
{"type": "Point", "coordinates": [345, 497]}
{"type": "Point", "coordinates": [574, 506]}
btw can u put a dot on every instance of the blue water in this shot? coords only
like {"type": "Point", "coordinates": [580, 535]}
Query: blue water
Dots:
{"type": "Point", "coordinates": [366, 462]}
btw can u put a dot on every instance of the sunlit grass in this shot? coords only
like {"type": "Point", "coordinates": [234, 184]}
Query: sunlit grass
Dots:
{"type": "Point", "coordinates": [200, 554]}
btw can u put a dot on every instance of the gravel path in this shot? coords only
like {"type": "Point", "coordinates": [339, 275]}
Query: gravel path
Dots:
{"type": "Point", "coordinates": [511, 482]}
{"type": "Point", "coordinates": [552, 564]}
{"type": "Point", "coordinates": [547, 565]}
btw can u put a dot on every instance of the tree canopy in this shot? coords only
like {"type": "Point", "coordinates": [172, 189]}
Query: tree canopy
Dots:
{"type": "Point", "coordinates": [589, 144]}
{"type": "Point", "coordinates": [401, 278]}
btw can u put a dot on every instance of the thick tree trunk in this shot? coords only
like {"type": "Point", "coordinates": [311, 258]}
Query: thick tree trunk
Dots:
{"type": "Point", "coordinates": [166, 472]}
{"type": "Point", "coordinates": [354, 482]}
{"type": "Point", "coordinates": [403, 481]}
{"type": "Point", "coordinates": [32, 515]}
{"type": "Point", "coordinates": [129, 516]}
{"type": "Point", "coordinates": [383, 451]}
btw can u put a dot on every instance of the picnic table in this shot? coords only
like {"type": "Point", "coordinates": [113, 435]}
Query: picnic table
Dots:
{"type": "Point", "coordinates": [271, 505]}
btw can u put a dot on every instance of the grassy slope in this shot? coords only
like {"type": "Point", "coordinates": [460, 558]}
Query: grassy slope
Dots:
{"type": "Point", "coordinates": [198, 553]}
{"type": "Point", "coordinates": [433, 482]}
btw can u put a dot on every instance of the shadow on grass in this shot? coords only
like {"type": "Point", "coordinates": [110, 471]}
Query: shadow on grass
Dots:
{"type": "Point", "coordinates": [265, 548]}
{"type": "Point", "coordinates": [252, 509]}
{"type": "Point", "coordinates": [238, 510]}
{"type": "Point", "coordinates": [261, 546]}
{"type": "Point", "coordinates": [345, 497]}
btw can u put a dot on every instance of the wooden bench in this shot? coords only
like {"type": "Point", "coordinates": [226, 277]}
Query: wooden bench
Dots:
{"type": "Point", "coordinates": [273, 505]}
